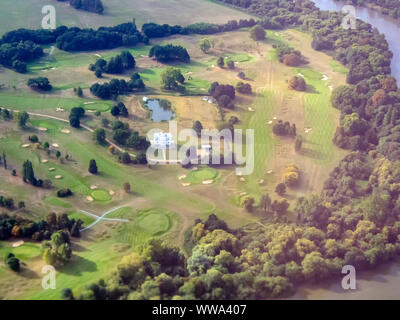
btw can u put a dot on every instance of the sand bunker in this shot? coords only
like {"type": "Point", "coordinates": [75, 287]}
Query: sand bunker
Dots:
{"type": "Point", "coordinates": [186, 184]}
{"type": "Point", "coordinates": [52, 169]}
{"type": "Point", "coordinates": [325, 77]}
{"type": "Point", "coordinates": [251, 109]}
{"type": "Point", "coordinates": [270, 122]}
{"type": "Point", "coordinates": [65, 131]}
{"type": "Point", "coordinates": [17, 244]}
{"type": "Point", "coordinates": [97, 55]}
{"type": "Point", "coordinates": [182, 177]}
{"type": "Point", "coordinates": [111, 192]}
{"type": "Point", "coordinates": [58, 177]}
{"type": "Point", "coordinates": [25, 145]}
{"type": "Point", "coordinates": [242, 193]}
{"type": "Point", "coordinates": [242, 179]}
{"type": "Point", "coordinates": [261, 181]}
{"type": "Point", "coordinates": [269, 171]}
{"type": "Point", "coordinates": [93, 187]}
{"type": "Point", "coordinates": [207, 181]}
{"type": "Point", "coordinates": [307, 130]}
{"type": "Point", "coordinates": [42, 129]}
{"type": "Point", "coordinates": [60, 109]}
{"type": "Point", "coordinates": [55, 145]}
{"type": "Point", "coordinates": [45, 161]}
{"type": "Point", "coordinates": [89, 198]}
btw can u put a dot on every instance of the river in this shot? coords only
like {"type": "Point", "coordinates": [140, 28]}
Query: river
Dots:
{"type": "Point", "coordinates": [386, 25]}
{"type": "Point", "coordinates": [383, 282]}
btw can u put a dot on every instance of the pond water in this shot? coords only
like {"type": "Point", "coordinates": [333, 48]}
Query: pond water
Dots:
{"type": "Point", "coordinates": [161, 110]}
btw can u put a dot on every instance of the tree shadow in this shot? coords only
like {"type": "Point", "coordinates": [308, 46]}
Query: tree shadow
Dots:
{"type": "Point", "coordinates": [28, 273]}
{"type": "Point", "coordinates": [78, 265]}
{"type": "Point", "coordinates": [307, 152]}
{"type": "Point", "coordinates": [311, 89]}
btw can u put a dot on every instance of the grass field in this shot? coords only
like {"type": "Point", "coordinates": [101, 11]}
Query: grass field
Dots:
{"type": "Point", "coordinates": [56, 202]}
{"type": "Point", "coordinates": [19, 13]}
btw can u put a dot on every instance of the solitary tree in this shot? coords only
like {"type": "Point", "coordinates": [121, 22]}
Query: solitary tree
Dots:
{"type": "Point", "coordinates": [22, 119]}
{"type": "Point", "coordinates": [248, 204]}
{"type": "Point", "coordinates": [298, 143]}
{"type": "Point", "coordinates": [265, 203]}
{"type": "Point", "coordinates": [172, 79]}
{"type": "Point", "coordinates": [197, 126]}
{"type": "Point", "coordinates": [205, 45]}
{"type": "Point", "coordinates": [221, 62]}
{"type": "Point", "coordinates": [99, 136]}
{"type": "Point", "coordinates": [28, 174]}
{"type": "Point", "coordinates": [4, 160]}
{"type": "Point", "coordinates": [257, 33]}
{"type": "Point", "coordinates": [127, 187]}
{"type": "Point", "coordinates": [93, 167]}
{"type": "Point", "coordinates": [12, 262]}
{"type": "Point", "coordinates": [280, 189]}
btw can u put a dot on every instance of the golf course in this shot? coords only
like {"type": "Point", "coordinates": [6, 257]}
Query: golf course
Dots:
{"type": "Point", "coordinates": [122, 204]}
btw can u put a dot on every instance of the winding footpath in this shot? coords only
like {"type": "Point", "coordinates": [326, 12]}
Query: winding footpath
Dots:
{"type": "Point", "coordinates": [102, 217]}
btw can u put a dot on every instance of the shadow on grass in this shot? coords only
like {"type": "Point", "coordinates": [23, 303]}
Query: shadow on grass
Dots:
{"type": "Point", "coordinates": [311, 89]}
{"type": "Point", "coordinates": [78, 265]}
{"type": "Point", "coordinates": [28, 273]}
{"type": "Point", "coordinates": [307, 152]}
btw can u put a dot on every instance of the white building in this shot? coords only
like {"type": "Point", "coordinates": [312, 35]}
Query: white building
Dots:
{"type": "Point", "coordinates": [163, 140]}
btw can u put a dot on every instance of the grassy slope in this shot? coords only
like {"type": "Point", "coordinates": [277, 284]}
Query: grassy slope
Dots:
{"type": "Point", "coordinates": [15, 12]}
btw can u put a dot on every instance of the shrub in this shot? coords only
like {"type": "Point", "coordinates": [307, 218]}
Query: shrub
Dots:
{"type": "Point", "coordinates": [63, 193]}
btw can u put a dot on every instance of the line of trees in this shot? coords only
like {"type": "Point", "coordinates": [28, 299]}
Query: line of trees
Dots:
{"type": "Point", "coordinates": [169, 53]}
{"type": "Point", "coordinates": [95, 6]}
{"type": "Point", "coordinates": [116, 87]}
{"type": "Point", "coordinates": [117, 65]}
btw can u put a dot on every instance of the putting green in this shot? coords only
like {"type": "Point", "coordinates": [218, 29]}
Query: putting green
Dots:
{"type": "Point", "coordinates": [154, 222]}
{"type": "Point", "coordinates": [97, 106]}
{"type": "Point", "coordinates": [24, 252]}
{"type": "Point", "coordinates": [200, 175]}
{"type": "Point", "coordinates": [101, 195]}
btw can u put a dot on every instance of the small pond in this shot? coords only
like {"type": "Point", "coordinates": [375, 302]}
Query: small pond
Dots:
{"type": "Point", "coordinates": [160, 110]}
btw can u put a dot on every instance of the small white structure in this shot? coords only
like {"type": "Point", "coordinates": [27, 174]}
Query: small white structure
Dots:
{"type": "Point", "coordinates": [163, 140]}
{"type": "Point", "coordinates": [145, 99]}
